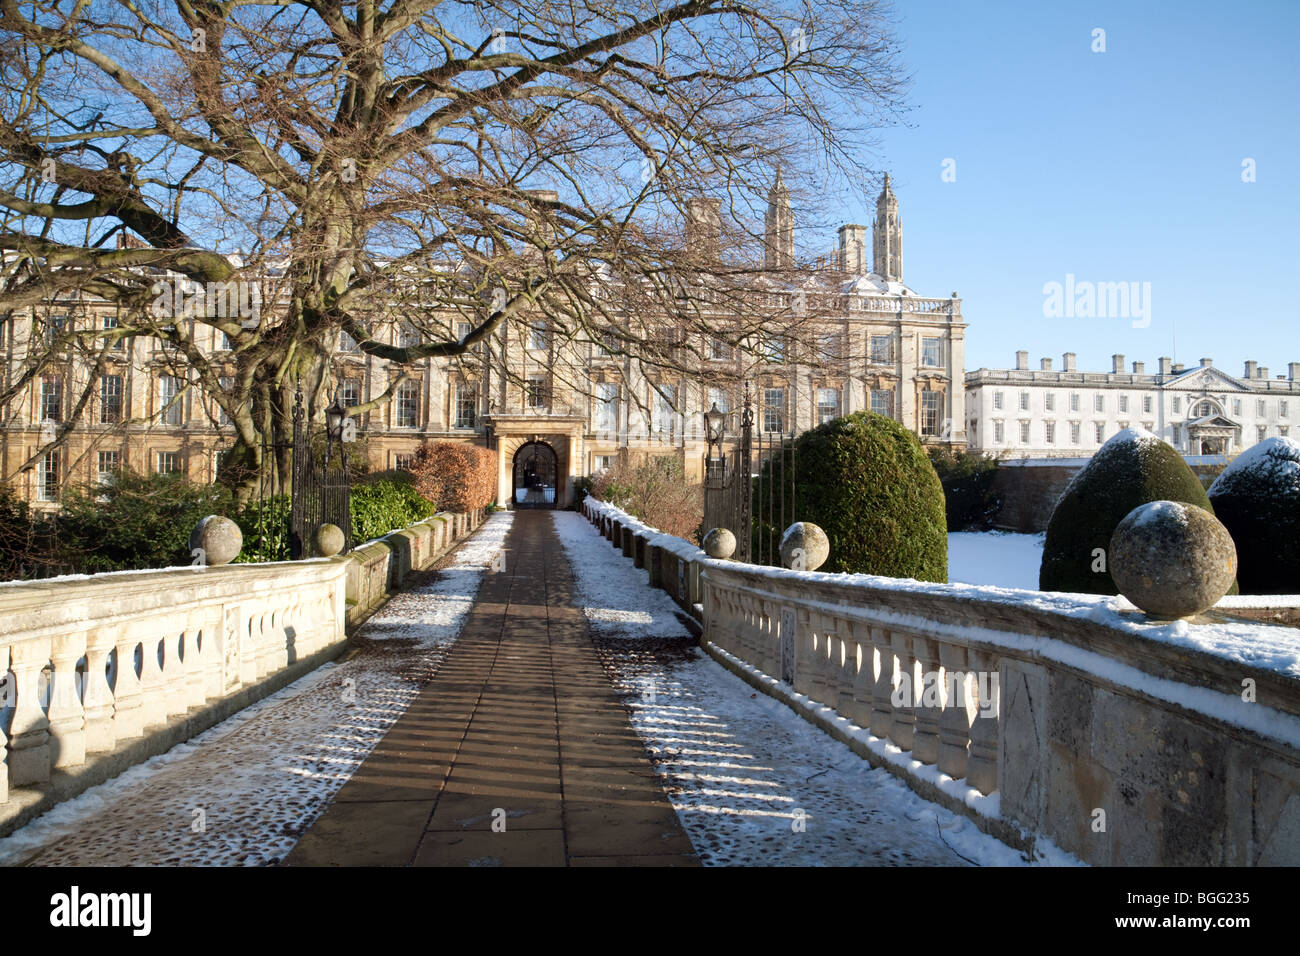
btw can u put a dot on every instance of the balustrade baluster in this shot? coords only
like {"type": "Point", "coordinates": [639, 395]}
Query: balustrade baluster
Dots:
{"type": "Point", "coordinates": [882, 708]}
{"type": "Point", "coordinates": [927, 702]}
{"type": "Point", "coordinates": [66, 715]}
{"type": "Point", "coordinates": [904, 695]}
{"type": "Point", "coordinates": [195, 675]}
{"type": "Point", "coordinates": [805, 660]}
{"type": "Point", "coordinates": [128, 713]}
{"type": "Point", "coordinates": [174, 671]}
{"type": "Point", "coordinates": [982, 767]}
{"type": "Point", "coordinates": [848, 668]}
{"type": "Point", "coordinates": [29, 728]}
{"type": "Point", "coordinates": [153, 700]}
{"type": "Point", "coordinates": [97, 693]}
{"type": "Point", "coordinates": [954, 722]}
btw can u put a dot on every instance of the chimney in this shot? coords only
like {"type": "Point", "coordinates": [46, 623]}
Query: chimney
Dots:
{"type": "Point", "coordinates": [703, 225]}
{"type": "Point", "coordinates": [1178, 368]}
{"type": "Point", "coordinates": [1250, 370]}
{"type": "Point", "coordinates": [537, 214]}
{"type": "Point", "coordinates": [1164, 365]}
{"type": "Point", "coordinates": [1117, 364]}
{"type": "Point", "coordinates": [853, 249]}
{"type": "Point", "coordinates": [1207, 362]}
{"type": "Point", "coordinates": [1263, 371]}
{"type": "Point", "coordinates": [1022, 361]}
{"type": "Point", "coordinates": [1139, 368]}
{"type": "Point", "coordinates": [1045, 364]}
{"type": "Point", "coordinates": [1293, 371]}
{"type": "Point", "coordinates": [1067, 361]}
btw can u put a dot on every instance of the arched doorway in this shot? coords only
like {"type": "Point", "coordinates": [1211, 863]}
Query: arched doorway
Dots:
{"type": "Point", "coordinates": [535, 475]}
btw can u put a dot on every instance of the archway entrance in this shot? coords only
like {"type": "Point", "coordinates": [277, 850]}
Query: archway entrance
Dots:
{"type": "Point", "coordinates": [535, 474]}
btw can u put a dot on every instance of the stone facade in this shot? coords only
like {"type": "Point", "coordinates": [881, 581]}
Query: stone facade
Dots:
{"type": "Point", "coordinates": [1049, 413]}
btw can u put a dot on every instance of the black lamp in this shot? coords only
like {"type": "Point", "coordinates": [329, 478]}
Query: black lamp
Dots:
{"type": "Point", "coordinates": [715, 424]}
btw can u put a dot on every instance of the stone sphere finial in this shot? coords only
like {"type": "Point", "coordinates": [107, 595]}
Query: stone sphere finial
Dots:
{"type": "Point", "coordinates": [804, 547]}
{"type": "Point", "coordinates": [719, 543]}
{"type": "Point", "coordinates": [1172, 559]}
{"type": "Point", "coordinates": [215, 541]}
{"type": "Point", "coordinates": [328, 540]}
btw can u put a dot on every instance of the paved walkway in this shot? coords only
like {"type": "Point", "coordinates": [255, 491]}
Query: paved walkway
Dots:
{"type": "Point", "coordinates": [518, 752]}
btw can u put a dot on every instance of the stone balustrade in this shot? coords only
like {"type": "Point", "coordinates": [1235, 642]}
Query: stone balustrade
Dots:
{"type": "Point", "coordinates": [102, 671]}
{"type": "Point", "coordinates": [1047, 718]}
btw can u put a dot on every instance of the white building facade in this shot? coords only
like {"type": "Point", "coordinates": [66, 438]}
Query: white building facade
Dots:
{"type": "Point", "coordinates": [1065, 413]}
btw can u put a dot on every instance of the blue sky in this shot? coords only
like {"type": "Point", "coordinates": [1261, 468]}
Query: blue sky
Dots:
{"type": "Point", "coordinates": [1117, 166]}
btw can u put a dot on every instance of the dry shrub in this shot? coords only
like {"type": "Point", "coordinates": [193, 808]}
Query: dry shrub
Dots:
{"type": "Point", "coordinates": [456, 476]}
{"type": "Point", "coordinates": [654, 489]}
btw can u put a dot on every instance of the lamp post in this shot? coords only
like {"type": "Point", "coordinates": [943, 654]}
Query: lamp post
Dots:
{"type": "Point", "coordinates": [335, 417]}
{"type": "Point", "coordinates": [715, 428]}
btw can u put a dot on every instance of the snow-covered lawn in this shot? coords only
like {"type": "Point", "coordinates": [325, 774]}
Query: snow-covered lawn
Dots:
{"type": "Point", "coordinates": [999, 558]}
{"type": "Point", "coordinates": [753, 783]}
{"type": "Point", "coordinates": [243, 791]}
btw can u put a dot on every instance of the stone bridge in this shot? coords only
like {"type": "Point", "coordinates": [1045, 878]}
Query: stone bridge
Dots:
{"type": "Point", "coordinates": [1067, 721]}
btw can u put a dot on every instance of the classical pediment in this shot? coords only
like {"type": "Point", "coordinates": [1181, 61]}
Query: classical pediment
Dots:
{"type": "Point", "coordinates": [1206, 380]}
{"type": "Point", "coordinates": [1212, 421]}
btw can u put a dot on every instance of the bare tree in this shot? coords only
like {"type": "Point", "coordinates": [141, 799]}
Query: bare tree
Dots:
{"type": "Point", "coordinates": [415, 162]}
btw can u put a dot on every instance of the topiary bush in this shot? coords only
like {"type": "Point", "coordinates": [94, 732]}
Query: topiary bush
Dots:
{"type": "Point", "coordinates": [1257, 498]}
{"type": "Point", "coordinates": [1133, 468]}
{"type": "Point", "coordinates": [866, 480]}
{"type": "Point", "coordinates": [970, 503]}
{"type": "Point", "coordinates": [384, 502]}
{"type": "Point", "coordinates": [455, 476]}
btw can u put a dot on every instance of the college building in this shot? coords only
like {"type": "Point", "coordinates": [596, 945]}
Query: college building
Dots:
{"type": "Point", "coordinates": [1066, 413]}
{"type": "Point", "coordinates": [553, 408]}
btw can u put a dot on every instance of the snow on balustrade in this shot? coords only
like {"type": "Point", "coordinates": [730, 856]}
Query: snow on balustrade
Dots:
{"type": "Point", "coordinates": [95, 663]}
{"type": "Point", "coordinates": [989, 699]}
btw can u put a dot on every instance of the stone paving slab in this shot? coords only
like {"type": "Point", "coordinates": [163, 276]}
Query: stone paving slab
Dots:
{"type": "Point", "coordinates": [520, 728]}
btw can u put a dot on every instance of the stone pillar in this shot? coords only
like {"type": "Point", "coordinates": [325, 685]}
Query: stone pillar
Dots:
{"type": "Point", "coordinates": [954, 722]}
{"type": "Point", "coordinates": [882, 708]}
{"type": "Point", "coordinates": [193, 662]}
{"type": "Point", "coordinates": [128, 718]}
{"type": "Point", "coordinates": [66, 715]}
{"type": "Point", "coordinates": [847, 675]}
{"type": "Point", "coordinates": [153, 702]}
{"type": "Point", "coordinates": [904, 722]}
{"type": "Point", "coordinates": [863, 678]}
{"type": "Point", "coordinates": [927, 702]}
{"type": "Point", "coordinates": [97, 695]}
{"type": "Point", "coordinates": [982, 767]}
{"type": "Point", "coordinates": [29, 729]}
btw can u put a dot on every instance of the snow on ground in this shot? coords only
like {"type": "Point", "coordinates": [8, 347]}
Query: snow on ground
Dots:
{"type": "Point", "coordinates": [243, 791]}
{"type": "Point", "coordinates": [998, 558]}
{"type": "Point", "coordinates": [752, 782]}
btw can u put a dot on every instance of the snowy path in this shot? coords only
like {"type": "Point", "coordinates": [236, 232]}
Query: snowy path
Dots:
{"type": "Point", "coordinates": [243, 791]}
{"type": "Point", "coordinates": [753, 783]}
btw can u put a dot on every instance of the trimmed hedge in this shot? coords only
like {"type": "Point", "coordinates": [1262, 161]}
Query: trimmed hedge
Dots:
{"type": "Point", "coordinates": [1257, 497]}
{"type": "Point", "coordinates": [386, 501]}
{"type": "Point", "coordinates": [866, 480]}
{"type": "Point", "coordinates": [1133, 468]}
{"type": "Point", "coordinates": [970, 502]}
{"type": "Point", "coordinates": [455, 476]}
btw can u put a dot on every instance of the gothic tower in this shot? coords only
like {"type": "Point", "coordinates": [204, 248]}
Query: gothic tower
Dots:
{"type": "Point", "coordinates": [887, 236]}
{"type": "Point", "coordinates": [779, 234]}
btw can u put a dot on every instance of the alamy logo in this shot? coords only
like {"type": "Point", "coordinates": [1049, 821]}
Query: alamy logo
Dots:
{"type": "Point", "coordinates": [1098, 300]}
{"type": "Point", "coordinates": [215, 300]}
{"type": "Point", "coordinates": [75, 908]}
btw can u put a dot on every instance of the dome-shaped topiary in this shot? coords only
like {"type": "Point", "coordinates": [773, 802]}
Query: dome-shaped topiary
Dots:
{"type": "Point", "coordinates": [866, 481]}
{"type": "Point", "coordinates": [1133, 468]}
{"type": "Point", "coordinates": [1257, 498]}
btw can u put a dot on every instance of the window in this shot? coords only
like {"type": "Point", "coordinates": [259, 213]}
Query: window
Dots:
{"type": "Point", "coordinates": [1205, 410]}
{"type": "Point", "coordinates": [603, 463]}
{"type": "Point", "coordinates": [1260, 433]}
{"type": "Point", "coordinates": [719, 397]}
{"type": "Point", "coordinates": [407, 336]}
{"type": "Point", "coordinates": [108, 465]}
{"type": "Point", "coordinates": [1074, 433]}
{"type": "Point", "coordinates": [932, 352]}
{"type": "Point", "coordinates": [719, 351]}
{"type": "Point", "coordinates": [535, 391]}
{"type": "Point", "coordinates": [828, 404]}
{"type": "Point", "coordinates": [109, 321]}
{"type": "Point", "coordinates": [1049, 432]}
{"type": "Point", "coordinates": [1099, 402]}
{"type": "Point", "coordinates": [774, 409]}
{"type": "Point", "coordinates": [1024, 401]}
{"type": "Point", "coordinates": [349, 392]}
{"type": "Point", "coordinates": [1260, 411]}
{"type": "Point", "coordinates": [407, 412]}
{"type": "Point", "coordinates": [665, 415]}
{"type": "Point", "coordinates": [1049, 401]}
{"type": "Point", "coordinates": [226, 344]}
{"type": "Point", "coordinates": [607, 407]}
{"type": "Point", "coordinates": [828, 346]}
{"type": "Point", "coordinates": [227, 383]}
{"type": "Point", "coordinates": [169, 462]}
{"type": "Point", "coordinates": [347, 343]}
{"type": "Point", "coordinates": [931, 410]}
{"type": "Point", "coordinates": [170, 390]}
{"type": "Point", "coordinates": [1100, 428]}
{"type": "Point", "coordinates": [403, 462]}
{"type": "Point", "coordinates": [1123, 403]}
{"type": "Point", "coordinates": [1146, 403]}
{"type": "Point", "coordinates": [1281, 410]}
{"type": "Point", "coordinates": [466, 406]}
{"type": "Point", "coordinates": [52, 398]}
{"type": "Point", "coordinates": [1236, 406]}
{"type": "Point", "coordinates": [882, 401]}
{"type": "Point", "coordinates": [537, 337]}
{"type": "Point", "coordinates": [997, 400]}
{"type": "Point", "coordinates": [774, 348]}
{"type": "Point", "coordinates": [1178, 404]}
{"type": "Point", "coordinates": [1024, 433]}
{"type": "Point", "coordinates": [463, 329]}
{"type": "Point", "coordinates": [1074, 401]}
{"type": "Point", "coordinates": [110, 399]}
{"type": "Point", "coordinates": [999, 435]}
{"type": "Point", "coordinates": [882, 349]}
{"type": "Point", "coordinates": [47, 477]}
{"type": "Point", "coordinates": [54, 326]}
